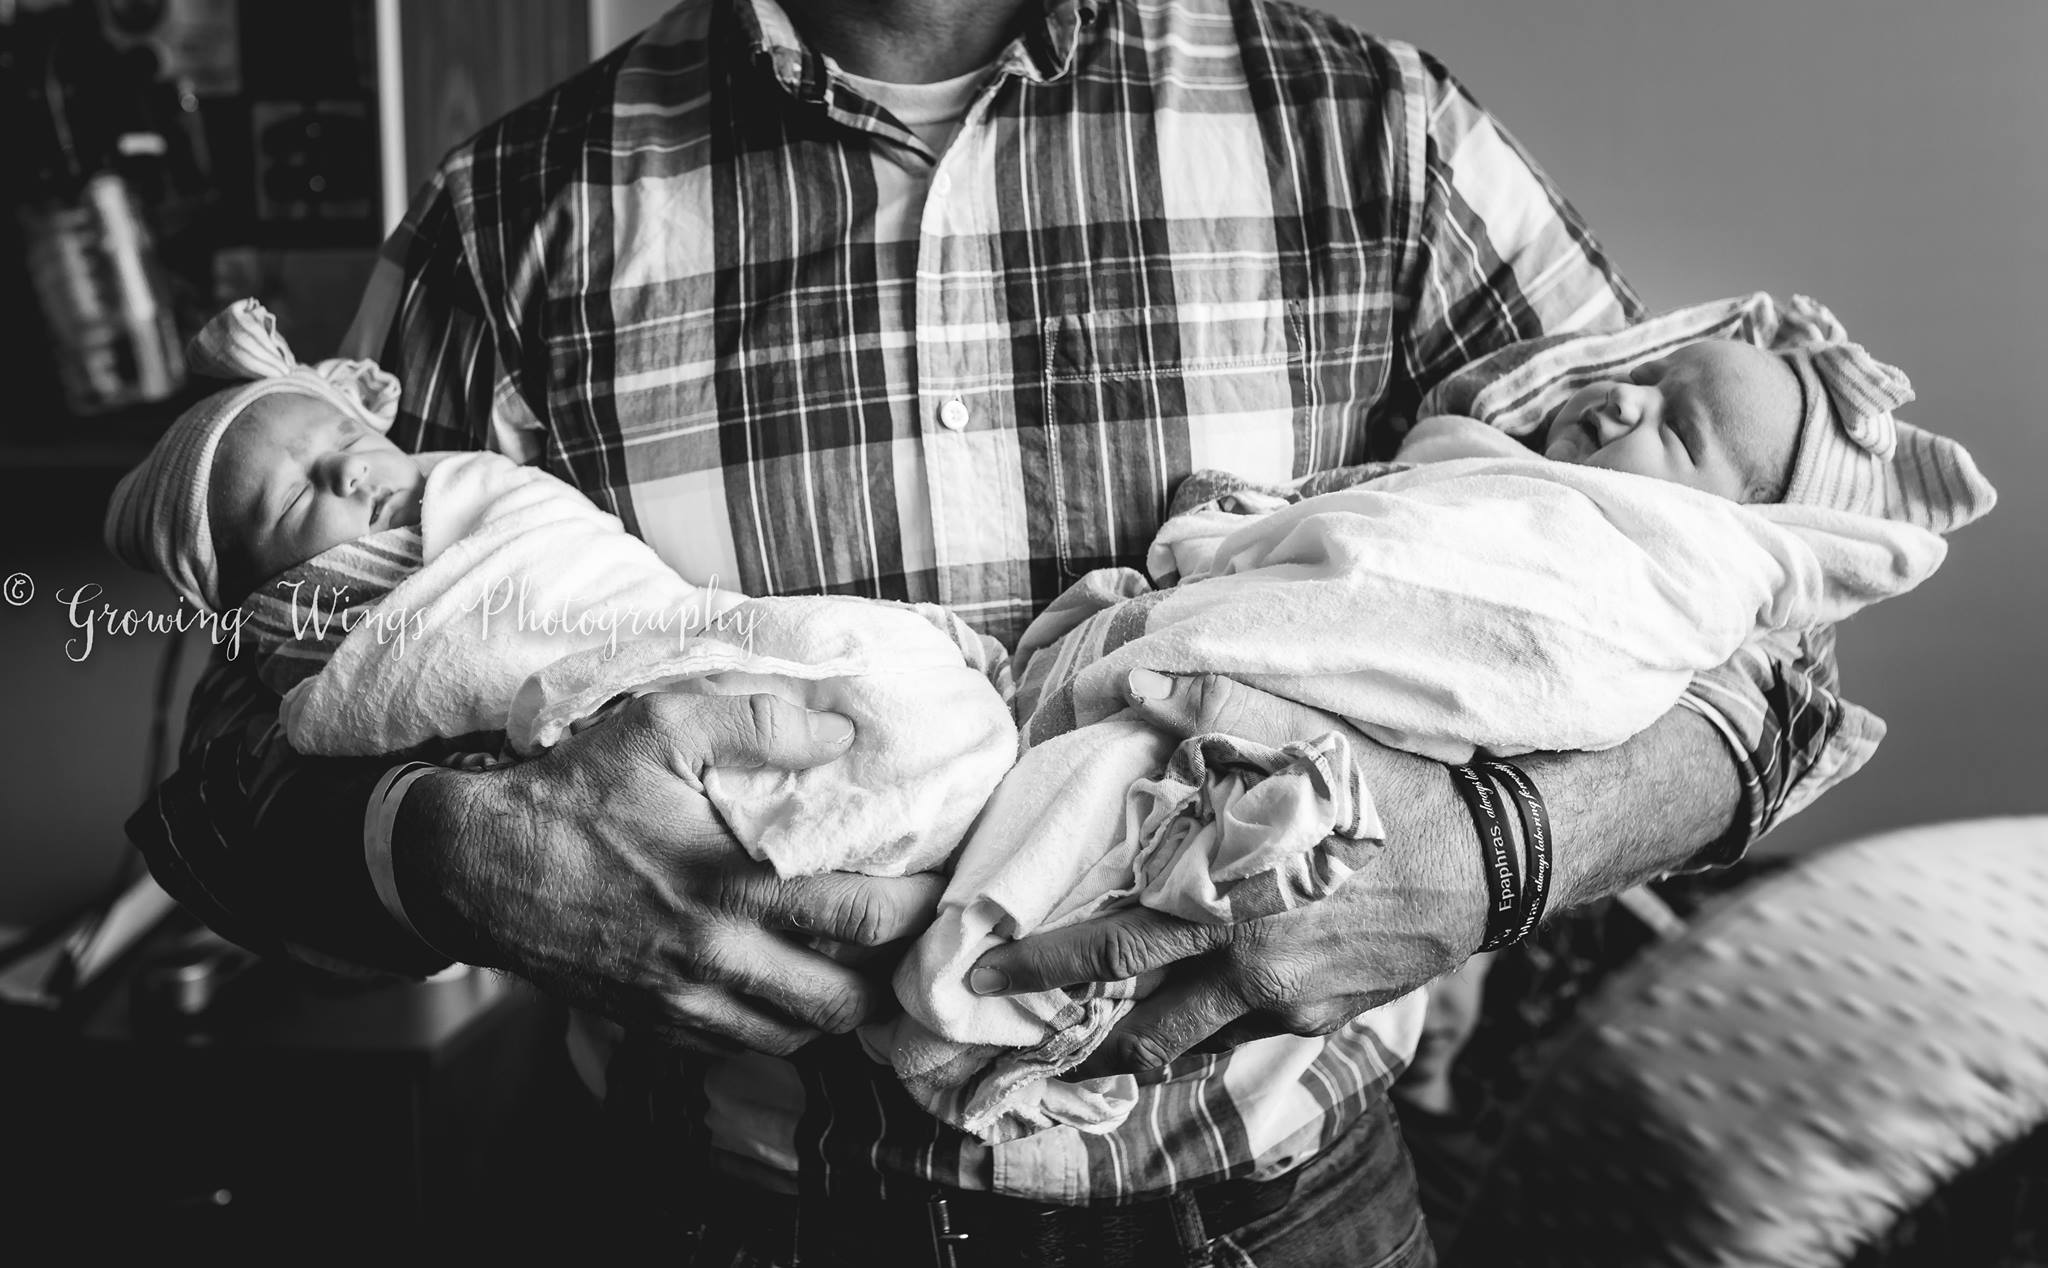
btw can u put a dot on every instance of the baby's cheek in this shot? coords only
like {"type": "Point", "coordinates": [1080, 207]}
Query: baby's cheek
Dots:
{"type": "Point", "coordinates": [327, 527]}
{"type": "Point", "coordinates": [1617, 457]}
{"type": "Point", "coordinates": [1642, 452]}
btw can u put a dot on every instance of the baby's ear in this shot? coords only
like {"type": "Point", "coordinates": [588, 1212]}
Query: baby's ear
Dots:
{"type": "Point", "coordinates": [1768, 488]}
{"type": "Point", "coordinates": [1765, 492]}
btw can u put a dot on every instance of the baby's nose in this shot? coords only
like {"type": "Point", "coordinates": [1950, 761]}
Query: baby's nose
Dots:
{"type": "Point", "coordinates": [347, 474]}
{"type": "Point", "coordinates": [1633, 405]}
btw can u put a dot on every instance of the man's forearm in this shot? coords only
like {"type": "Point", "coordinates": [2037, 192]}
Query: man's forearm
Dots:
{"type": "Point", "coordinates": [449, 840]}
{"type": "Point", "coordinates": [266, 846]}
{"type": "Point", "coordinates": [281, 874]}
{"type": "Point", "coordinates": [1631, 813]}
{"type": "Point", "coordinates": [1618, 817]}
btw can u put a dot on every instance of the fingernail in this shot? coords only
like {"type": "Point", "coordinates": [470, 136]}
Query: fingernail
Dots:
{"type": "Point", "coordinates": [833, 728]}
{"type": "Point", "coordinates": [1147, 685]}
{"type": "Point", "coordinates": [987, 981]}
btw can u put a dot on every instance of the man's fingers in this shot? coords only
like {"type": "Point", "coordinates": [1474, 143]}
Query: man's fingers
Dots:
{"type": "Point", "coordinates": [1240, 1032]}
{"type": "Point", "coordinates": [757, 730]}
{"type": "Point", "coordinates": [1106, 949]}
{"type": "Point", "coordinates": [810, 988]}
{"type": "Point", "coordinates": [1195, 704]}
{"type": "Point", "coordinates": [712, 1019]}
{"type": "Point", "coordinates": [1189, 1008]}
{"type": "Point", "coordinates": [865, 910]}
{"type": "Point", "coordinates": [1321, 1018]}
{"type": "Point", "coordinates": [604, 711]}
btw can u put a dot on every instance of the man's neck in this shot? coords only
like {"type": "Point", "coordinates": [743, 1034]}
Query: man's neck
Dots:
{"type": "Point", "coordinates": [909, 41]}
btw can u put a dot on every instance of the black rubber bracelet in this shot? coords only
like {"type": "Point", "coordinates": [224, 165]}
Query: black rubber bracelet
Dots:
{"type": "Point", "coordinates": [1535, 841]}
{"type": "Point", "coordinates": [1504, 911]}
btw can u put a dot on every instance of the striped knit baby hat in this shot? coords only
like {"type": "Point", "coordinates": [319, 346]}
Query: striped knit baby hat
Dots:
{"type": "Point", "coordinates": [157, 519]}
{"type": "Point", "coordinates": [1853, 455]}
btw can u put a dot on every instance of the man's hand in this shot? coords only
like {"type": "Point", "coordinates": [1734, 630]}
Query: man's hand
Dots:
{"type": "Point", "coordinates": [1306, 972]}
{"type": "Point", "coordinates": [1409, 916]}
{"type": "Point", "coordinates": [1414, 912]}
{"type": "Point", "coordinates": [600, 872]}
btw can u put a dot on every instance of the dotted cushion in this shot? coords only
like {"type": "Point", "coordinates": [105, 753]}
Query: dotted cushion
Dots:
{"type": "Point", "coordinates": [1806, 1064]}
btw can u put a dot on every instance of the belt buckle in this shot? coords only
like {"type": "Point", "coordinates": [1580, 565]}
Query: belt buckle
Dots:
{"type": "Point", "coordinates": [944, 1239]}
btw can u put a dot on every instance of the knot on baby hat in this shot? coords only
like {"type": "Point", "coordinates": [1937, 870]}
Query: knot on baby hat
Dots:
{"type": "Point", "coordinates": [1853, 455]}
{"type": "Point", "coordinates": [241, 342]}
{"type": "Point", "coordinates": [157, 518]}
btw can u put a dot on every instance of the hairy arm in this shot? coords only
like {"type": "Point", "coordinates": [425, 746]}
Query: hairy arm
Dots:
{"type": "Point", "coordinates": [1640, 810]}
{"type": "Point", "coordinates": [266, 846]}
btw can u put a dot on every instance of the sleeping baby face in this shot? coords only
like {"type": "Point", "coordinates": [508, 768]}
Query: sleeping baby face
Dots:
{"type": "Point", "coordinates": [296, 475]}
{"type": "Point", "coordinates": [1719, 416]}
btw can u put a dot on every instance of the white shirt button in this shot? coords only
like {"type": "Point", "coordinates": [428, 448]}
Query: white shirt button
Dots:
{"type": "Point", "coordinates": [954, 413]}
{"type": "Point", "coordinates": [942, 185]}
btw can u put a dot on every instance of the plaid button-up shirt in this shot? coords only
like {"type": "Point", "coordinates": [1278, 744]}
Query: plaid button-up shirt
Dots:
{"type": "Point", "coordinates": [1167, 236]}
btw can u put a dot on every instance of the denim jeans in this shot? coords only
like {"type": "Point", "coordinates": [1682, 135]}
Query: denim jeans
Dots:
{"type": "Point", "coordinates": [1354, 1206]}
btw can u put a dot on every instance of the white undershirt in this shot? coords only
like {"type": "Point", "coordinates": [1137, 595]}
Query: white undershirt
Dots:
{"type": "Point", "coordinates": [933, 111]}
{"type": "Point", "coordinates": [902, 179]}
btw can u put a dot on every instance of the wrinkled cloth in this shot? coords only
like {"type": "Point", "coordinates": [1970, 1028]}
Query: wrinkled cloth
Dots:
{"type": "Point", "coordinates": [532, 609]}
{"type": "Point", "coordinates": [933, 735]}
{"type": "Point", "coordinates": [158, 517]}
{"type": "Point", "coordinates": [1505, 604]}
{"type": "Point", "coordinates": [1213, 829]}
{"type": "Point", "coordinates": [1207, 507]}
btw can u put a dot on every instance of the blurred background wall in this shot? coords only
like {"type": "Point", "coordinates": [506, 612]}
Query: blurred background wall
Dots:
{"type": "Point", "coordinates": [1884, 156]}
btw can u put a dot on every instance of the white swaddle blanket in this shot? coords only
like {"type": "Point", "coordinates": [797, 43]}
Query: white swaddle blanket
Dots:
{"type": "Point", "coordinates": [533, 608]}
{"type": "Point", "coordinates": [932, 736]}
{"type": "Point", "coordinates": [1505, 604]}
{"type": "Point", "coordinates": [1510, 604]}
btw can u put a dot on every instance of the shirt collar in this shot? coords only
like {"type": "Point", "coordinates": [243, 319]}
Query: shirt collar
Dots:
{"type": "Point", "coordinates": [1047, 49]}
{"type": "Point", "coordinates": [1045, 52]}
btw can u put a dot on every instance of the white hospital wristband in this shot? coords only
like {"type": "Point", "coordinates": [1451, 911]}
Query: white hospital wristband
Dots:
{"type": "Point", "coordinates": [378, 819]}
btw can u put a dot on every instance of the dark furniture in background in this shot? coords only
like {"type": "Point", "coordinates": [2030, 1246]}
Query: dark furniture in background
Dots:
{"type": "Point", "coordinates": [331, 1114]}
{"type": "Point", "coordinates": [302, 1115]}
{"type": "Point", "coordinates": [279, 169]}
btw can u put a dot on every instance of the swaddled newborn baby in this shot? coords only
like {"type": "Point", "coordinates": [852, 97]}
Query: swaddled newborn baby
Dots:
{"type": "Point", "coordinates": [1781, 495]}
{"type": "Point", "coordinates": [397, 599]}
{"type": "Point", "coordinates": [1738, 398]}
{"type": "Point", "coordinates": [1684, 398]}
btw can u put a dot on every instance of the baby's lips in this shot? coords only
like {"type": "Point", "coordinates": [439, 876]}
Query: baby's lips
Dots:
{"type": "Point", "coordinates": [1573, 440]}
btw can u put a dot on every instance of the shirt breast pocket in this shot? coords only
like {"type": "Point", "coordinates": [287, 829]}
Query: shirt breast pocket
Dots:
{"type": "Point", "coordinates": [1136, 398]}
